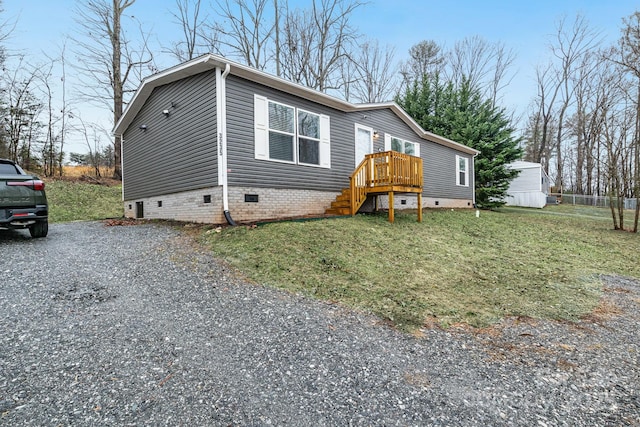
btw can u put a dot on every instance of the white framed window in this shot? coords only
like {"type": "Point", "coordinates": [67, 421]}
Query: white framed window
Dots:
{"type": "Point", "coordinates": [462, 171]}
{"type": "Point", "coordinates": [281, 132]}
{"type": "Point", "coordinates": [308, 138]}
{"type": "Point", "coordinates": [401, 145]}
{"type": "Point", "coordinates": [284, 133]}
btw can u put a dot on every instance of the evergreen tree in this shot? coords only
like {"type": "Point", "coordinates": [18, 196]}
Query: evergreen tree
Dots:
{"type": "Point", "coordinates": [459, 113]}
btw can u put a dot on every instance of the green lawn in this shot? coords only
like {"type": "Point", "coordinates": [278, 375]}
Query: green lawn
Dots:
{"type": "Point", "coordinates": [451, 268]}
{"type": "Point", "coordinates": [73, 201]}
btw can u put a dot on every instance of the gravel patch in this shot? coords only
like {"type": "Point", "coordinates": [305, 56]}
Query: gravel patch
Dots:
{"type": "Point", "coordinates": [136, 326]}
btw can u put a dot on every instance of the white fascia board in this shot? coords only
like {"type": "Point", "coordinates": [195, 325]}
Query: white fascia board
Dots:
{"type": "Point", "coordinates": [187, 69]}
{"type": "Point", "coordinates": [429, 136]}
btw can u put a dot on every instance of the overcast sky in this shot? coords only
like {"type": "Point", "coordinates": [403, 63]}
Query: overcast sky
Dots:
{"type": "Point", "coordinates": [523, 26]}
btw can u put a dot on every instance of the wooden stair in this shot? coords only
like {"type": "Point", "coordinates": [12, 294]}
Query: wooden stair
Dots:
{"type": "Point", "coordinates": [342, 204]}
{"type": "Point", "coordinates": [380, 173]}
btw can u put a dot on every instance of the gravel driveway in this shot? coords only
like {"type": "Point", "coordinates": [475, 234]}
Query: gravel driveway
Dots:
{"type": "Point", "coordinates": [135, 326]}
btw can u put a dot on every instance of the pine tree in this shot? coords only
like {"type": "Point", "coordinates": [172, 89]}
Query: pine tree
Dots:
{"type": "Point", "coordinates": [460, 114]}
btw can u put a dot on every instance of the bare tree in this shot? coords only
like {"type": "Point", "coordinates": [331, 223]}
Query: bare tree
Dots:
{"type": "Point", "coordinates": [539, 140]}
{"type": "Point", "coordinates": [56, 152]}
{"type": "Point", "coordinates": [50, 149]}
{"type": "Point", "coordinates": [316, 42]}
{"type": "Point", "coordinates": [191, 23]}
{"type": "Point", "coordinates": [92, 135]}
{"type": "Point", "coordinates": [110, 64]}
{"type": "Point", "coordinates": [556, 83]}
{"type": "Point", "coordinates": [503, 61]}
{"type": "Point", "coordinates": [6, 29]}
{"type": "Point", "coordinates": [569, 47]}
{"type": "Point", "coordinates": [425, 59]}
{"type": "Point", "coordinates": [372, 78]}
{"type": "Point", "coordinates": [483, 64]}
{"type": "Point", "coordinates": [594, 82]}
{"type": "Point", "coordinates": [470, 59]}
{"type": "Point", "coordinates": [627, 55]}
{"type": "Point", "coordinates": [21, 109]}
{"type": "Point", "coordinates": [617, 130]}
{"type": "Point", "coordinates": [245, 31]}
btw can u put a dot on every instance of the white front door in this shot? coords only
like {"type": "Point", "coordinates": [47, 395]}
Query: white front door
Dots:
{"type": "Point", "coordinates": [364, 142]}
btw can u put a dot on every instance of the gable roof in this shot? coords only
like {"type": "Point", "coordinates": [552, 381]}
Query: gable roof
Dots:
{"type": "Point", "coordinates": [210, 62]}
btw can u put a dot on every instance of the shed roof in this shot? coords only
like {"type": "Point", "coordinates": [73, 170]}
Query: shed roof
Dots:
{"type": "Point", "coordinates": [210, 62]}
{"type": "Point", "coordinates": [521, 164]}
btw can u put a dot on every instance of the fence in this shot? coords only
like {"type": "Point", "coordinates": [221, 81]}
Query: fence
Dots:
{"type": "Point", "coordinates": [597, 201]}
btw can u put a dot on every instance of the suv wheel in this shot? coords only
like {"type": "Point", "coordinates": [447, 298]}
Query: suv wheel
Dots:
{"type": "Point", "coordinates": [39, 229]}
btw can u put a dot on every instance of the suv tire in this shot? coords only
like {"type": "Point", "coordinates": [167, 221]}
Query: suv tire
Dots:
{"type": "Point", "coordinates": [39, 229]}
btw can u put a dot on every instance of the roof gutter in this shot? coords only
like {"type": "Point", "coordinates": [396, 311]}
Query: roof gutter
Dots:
{"type": "Point", "coordinates": [221, 94]}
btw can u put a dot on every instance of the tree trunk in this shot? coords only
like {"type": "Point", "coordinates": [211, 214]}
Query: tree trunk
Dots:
{"type": "Point", "coordinates": [117, 82]}
{"type": "Point", "coordinates": [636, 170]}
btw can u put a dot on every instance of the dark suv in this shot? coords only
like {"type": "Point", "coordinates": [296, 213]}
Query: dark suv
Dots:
{"type": "Point", "coordinates": [23, 203]}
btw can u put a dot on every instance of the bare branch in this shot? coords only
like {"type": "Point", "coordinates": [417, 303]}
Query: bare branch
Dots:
{"type": "Point", "coordinates": [373, 77]}
{"type": "Point", "coordinates": [316, 43]}
{"type": "Point", "coordinates": [244, 31]}
{"type": "Point", "coordinates": [191, 23]}
{"type": "Point", "coordinates": [109, 65]}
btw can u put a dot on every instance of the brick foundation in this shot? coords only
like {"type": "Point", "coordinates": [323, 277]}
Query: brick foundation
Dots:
{"type": "Point", "coordinates": [272, 203]}
{"type": "Point", "coordinates": [411, 202]}
{"type": "Point", "coordinates": [189, 206]}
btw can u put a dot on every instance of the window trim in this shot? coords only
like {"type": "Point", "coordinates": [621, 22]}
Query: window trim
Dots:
{"type": "Point", "coordinates": [262, 129]}
{"type": "Point", "coordinates": [387, 145]}
{"type": "Point", "coordinates": [298, 136]}
{"type": "Point", "coordinates": [293, 135]}
{"type": "Point", "coordinates": [466, 171]}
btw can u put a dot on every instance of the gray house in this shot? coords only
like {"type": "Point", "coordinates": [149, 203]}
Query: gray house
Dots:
{"type": "Point", "coordinates": [214, 141]}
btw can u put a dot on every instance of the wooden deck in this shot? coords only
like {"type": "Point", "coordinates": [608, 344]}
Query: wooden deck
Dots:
{"type": "Point", "coordinates": [388, 172]}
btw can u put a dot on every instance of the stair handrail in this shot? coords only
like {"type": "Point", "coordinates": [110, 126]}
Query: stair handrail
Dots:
{"type": "Point", "coordinates": [386, 168]}
{"type": "Point", "coordinates": [358, 185]}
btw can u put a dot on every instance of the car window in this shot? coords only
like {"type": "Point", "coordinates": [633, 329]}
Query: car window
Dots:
{"type": "Point", "coordinates": [8, 169]}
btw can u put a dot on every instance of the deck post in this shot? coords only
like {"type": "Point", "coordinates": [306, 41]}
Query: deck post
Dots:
{"type": "Point", "coordinates": [419, 207]}
{"type": "Point", "coordinates": [352, 195]}
{"type": "Point", "coordinates": [391, 207]}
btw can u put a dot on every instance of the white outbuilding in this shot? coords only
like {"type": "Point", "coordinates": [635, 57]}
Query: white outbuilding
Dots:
{"type": "Point", "coordinates": [530, 188]}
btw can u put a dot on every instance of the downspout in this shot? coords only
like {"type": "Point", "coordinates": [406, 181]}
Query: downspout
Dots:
{"type": "Point", "coordinates": [474, 179]}
{"type": "Point", "coordinates": [222, 136]}
{"type": "Point", "coordinates": [122, 167]}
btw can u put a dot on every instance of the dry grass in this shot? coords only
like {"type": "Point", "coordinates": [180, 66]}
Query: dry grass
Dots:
{"type": "Point", "coordinates": [79, 171]}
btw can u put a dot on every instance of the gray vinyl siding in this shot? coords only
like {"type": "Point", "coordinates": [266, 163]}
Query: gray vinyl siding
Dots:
{"type": "Point", "coordinates": [246, 171]}
{"type": "Point", "coordinates": [176, 153]}
{"type": "Point", "coordinates": [439, 162]}
{"type": "Point", "coordinates": [179, 152]}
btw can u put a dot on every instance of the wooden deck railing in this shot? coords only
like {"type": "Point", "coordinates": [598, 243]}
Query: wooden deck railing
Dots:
{"type": "Point", "coordinates": [387, 171]}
